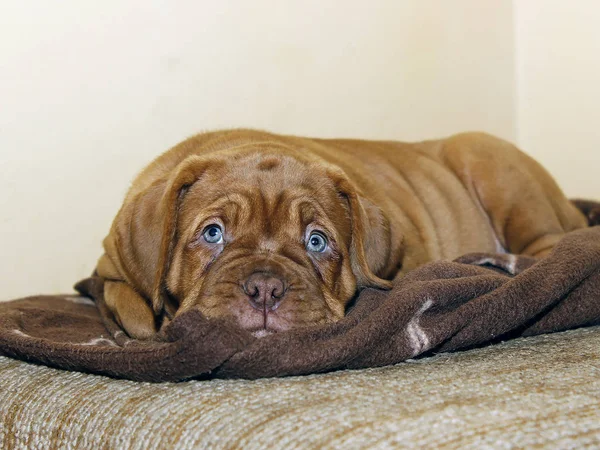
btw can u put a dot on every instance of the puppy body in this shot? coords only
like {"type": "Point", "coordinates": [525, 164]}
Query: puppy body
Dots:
{"type": "Point", "coordinates": [384, 207]}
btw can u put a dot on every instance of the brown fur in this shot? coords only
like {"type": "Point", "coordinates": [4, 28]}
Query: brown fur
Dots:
{"type": "Point", "coordinates": [386, 208]}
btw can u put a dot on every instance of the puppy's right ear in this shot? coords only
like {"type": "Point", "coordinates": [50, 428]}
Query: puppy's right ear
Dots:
{"type": "Point", "coordinates": [139, 246]}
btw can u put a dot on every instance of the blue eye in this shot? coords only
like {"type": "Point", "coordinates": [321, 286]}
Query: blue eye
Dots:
{"type": "Point", "coordinates": [317, 242]}
{"type": "Point", "coordinates": [213, 234]}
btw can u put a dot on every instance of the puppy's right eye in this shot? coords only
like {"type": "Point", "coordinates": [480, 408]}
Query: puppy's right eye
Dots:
{"type": "Point", "coordinates": [213, 234]}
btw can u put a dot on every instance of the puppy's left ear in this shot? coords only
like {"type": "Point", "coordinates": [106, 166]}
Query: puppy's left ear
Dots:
{"type": "Point", "coordinates": [370, 245]}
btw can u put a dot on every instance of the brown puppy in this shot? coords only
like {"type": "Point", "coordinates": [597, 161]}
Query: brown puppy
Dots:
{"type": "Point", "coordinates": [277, 232]}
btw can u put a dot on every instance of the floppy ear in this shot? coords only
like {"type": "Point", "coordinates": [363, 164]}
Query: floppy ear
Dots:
{"type": "Point", "coordinates": [139, 246]}
{"type": "Point", "coordinates": [187, 173]}
{"type": "Point", "coordinates": [370, 245]}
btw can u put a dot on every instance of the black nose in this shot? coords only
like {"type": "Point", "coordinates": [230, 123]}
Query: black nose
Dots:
{"type": "Point", "coordinates": [264, 290]}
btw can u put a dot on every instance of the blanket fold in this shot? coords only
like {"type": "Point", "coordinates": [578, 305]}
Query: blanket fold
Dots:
{"type": "Point", "coordinates": [442, 306]}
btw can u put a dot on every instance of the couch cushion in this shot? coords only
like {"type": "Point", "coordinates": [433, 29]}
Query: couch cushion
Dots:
{"type": "Point", "coordinates": [543, 390]}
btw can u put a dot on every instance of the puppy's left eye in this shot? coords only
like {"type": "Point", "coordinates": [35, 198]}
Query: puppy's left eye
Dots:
{"type": "Point", "coordinates": [317, 242]}
{"type": "Point", "coordinates": [213, 234]}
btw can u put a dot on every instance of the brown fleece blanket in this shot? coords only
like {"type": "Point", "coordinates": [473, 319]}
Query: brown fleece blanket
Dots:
{"type": "Point", "coordinates": [442, 306]}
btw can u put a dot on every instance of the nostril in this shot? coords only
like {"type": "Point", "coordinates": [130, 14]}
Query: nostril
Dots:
{"type": "Point", "coordinates": [278, 290]}
{"type": "Point", "coordinates": [250, 288]}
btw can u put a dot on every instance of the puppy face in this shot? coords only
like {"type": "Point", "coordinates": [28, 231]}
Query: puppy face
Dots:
{"type": "Point", "coordinates": [270, 239]}
{"type": "Point", "coordinates": [263, 238]}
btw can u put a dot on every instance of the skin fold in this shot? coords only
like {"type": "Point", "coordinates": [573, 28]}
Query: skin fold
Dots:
{"type": "Point", "coordinates": [276, 232]}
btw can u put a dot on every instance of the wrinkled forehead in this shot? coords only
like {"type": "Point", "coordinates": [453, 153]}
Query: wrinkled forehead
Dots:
{"type": "Point", "coordinates": [272, 172]}
{"type": "Point", "coordinates": [265, 185]}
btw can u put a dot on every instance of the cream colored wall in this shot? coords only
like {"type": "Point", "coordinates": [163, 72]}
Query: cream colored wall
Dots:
{"type": "Point", "coordinates": [558, 87]}
{"type": "Point", "coordinates": [91, 91]}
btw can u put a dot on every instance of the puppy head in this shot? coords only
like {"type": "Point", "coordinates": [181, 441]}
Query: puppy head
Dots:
{"type": "Point", "coordinates": [267, 237]}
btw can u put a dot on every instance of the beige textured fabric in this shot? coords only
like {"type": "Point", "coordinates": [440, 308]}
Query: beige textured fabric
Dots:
{"type": "Point", "coordinates": [541, 391]}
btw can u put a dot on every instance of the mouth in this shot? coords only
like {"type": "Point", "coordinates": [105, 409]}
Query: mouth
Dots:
{"type": "Point", "coordinates": [267, 328]}
{"type": "Point", "coordinates": [263, 332]}
{"type": "Point", "coordinates": [260, 325]}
